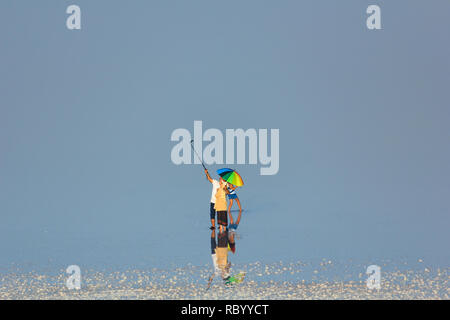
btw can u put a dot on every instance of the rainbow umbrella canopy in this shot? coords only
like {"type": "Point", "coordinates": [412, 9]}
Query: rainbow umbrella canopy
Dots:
{"type": "Point", "coordinates": [231, 176]}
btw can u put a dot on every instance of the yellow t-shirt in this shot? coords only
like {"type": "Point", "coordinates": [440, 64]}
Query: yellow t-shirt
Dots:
{"type": "Point", "coordinates": [222, 257]}
{"type": "Point", "coordinates": [221, 200]}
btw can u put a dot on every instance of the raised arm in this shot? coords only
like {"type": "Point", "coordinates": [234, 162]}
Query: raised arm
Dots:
{"type": "Point", "coordinates": [208, 176]}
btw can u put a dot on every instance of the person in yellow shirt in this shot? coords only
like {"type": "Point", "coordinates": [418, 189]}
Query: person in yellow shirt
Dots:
{"type": "Point", "coordinates": [221, 205]}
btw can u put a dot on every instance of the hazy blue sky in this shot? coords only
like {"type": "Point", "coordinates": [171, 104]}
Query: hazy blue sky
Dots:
{"type": "Point", "coordinates": [86, 118]}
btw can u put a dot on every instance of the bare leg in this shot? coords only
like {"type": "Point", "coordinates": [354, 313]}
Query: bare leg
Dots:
{"type": "Point", "coordinates": [240, 211]}
{"type": "Point", "coordinates": [212, 216]}
{"type": "Point", "coordinates": [229, 211]}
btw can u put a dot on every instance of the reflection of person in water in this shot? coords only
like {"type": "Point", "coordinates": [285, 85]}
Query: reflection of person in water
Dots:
{"type": "Point", "coordinates": [231, 241]}
{"type": "Point", "coordinates": [220, 257]}
{"type": "Point", "coordinates": [219, 253]}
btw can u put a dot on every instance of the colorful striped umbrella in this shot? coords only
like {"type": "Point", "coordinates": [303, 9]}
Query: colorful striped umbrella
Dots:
{"type": "Point", "coordinates": [231, 176]}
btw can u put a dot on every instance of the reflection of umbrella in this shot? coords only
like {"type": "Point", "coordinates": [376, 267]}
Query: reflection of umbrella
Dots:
{"type": "Point", "coordinates": [231, 176]}
{"type": "Point", "coordinates": [235, 279]}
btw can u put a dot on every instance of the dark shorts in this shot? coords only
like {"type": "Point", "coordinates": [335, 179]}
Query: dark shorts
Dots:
{"type": "Point", "coordinates": [222, 218]}
{"type": "Point", "coordinates": [232, 196]}
{"type": "Point", "coordinates": [212, 211]}
{"type": "Point", "coordinates": [222, 239]}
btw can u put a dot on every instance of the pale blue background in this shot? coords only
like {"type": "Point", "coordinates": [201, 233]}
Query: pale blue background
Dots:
{"type": "Point", "coordinates": [86, 118]}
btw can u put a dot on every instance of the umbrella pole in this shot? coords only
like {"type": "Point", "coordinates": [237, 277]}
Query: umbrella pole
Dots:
{"type": "Point", "coordinates": [192, 141]}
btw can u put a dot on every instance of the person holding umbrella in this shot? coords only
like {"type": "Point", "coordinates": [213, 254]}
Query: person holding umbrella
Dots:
{"type": "Point", "coordinates": [232, 197]}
